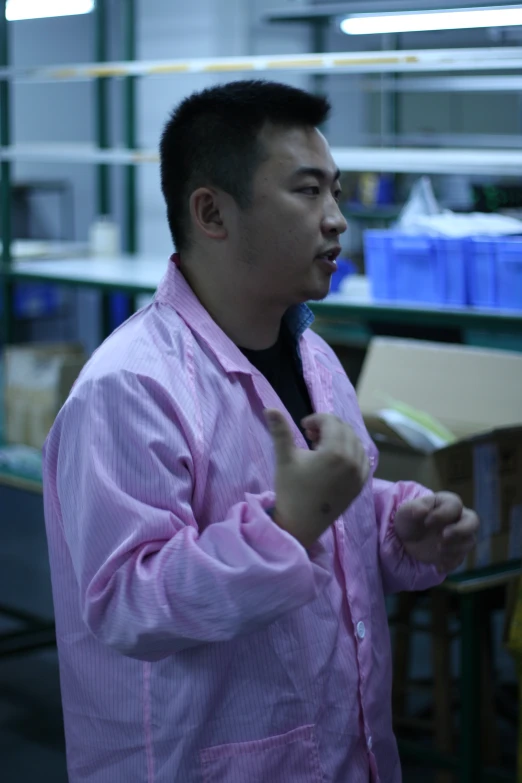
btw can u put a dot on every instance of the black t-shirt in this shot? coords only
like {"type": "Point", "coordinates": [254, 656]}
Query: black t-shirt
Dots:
{"type": "Point", "coordinates": [280, 366]}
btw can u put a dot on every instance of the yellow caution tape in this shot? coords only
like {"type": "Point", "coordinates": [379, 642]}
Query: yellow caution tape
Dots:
{"type": "Point", "coordinates": [229, 67]}
{"type": "Point", "coordinates": [107, 71]}
{"type": "Point", "coordinates": [344, 61]}
{"type": "Point", "coordinates": [178, 68]}
{"type": "Point", "coordinates": [65, 73]}
{"type": "Point", "coordinates": [317, 62]}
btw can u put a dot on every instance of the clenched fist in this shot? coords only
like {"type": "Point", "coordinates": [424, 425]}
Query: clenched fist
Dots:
{"type": "Point", "coordinates": [437, 529]}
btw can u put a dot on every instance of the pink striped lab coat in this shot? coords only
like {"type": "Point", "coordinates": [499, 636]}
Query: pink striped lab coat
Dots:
{"type": "Point", "coordinates": [198, 642]}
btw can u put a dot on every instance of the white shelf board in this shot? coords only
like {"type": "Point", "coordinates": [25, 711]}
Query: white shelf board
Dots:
{"type": "Point", "coordinates": [485, 83]}
{"type": "Point", "coordinates": [77, 153]}
{"type": "Point", "coordinates": [142, 273]}
{"type": "Point", "coordinates": [479, 59]}
{"type": "Point", "coordinates": [471, 141]}
{"type": "Point", "coordinates": [429, 161]}
{"type": "Point", "coordinates": [400, 160]}
{"type": "Point", "coordinates": [43, 248]}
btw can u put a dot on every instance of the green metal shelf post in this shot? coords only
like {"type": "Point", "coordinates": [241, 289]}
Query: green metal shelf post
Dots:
{"type": "Point", "coordinates": [6, 287]}
{"type": "Point", "coordinates": [101, 86]}
{"type": "Point", "coordinates": [470, 684]}
{"type": "Point", "coordinates": [129, 108]}
{"type": "Point", "coordinates": [319, 32]}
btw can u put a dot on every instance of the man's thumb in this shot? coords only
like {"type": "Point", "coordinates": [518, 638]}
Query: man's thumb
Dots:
{"type": "Point", "coordinates": [281, 435]}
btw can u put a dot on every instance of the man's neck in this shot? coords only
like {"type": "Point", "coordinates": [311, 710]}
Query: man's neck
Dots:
{"type": "Point", "coordinates": [254, 325]}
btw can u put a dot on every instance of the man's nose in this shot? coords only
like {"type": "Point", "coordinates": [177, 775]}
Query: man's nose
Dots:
{"type": "Point", "coordinates": [334, 221]}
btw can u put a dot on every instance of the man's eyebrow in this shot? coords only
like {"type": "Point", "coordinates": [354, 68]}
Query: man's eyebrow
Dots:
{"type": "Point", "coordinates": [312, 171]}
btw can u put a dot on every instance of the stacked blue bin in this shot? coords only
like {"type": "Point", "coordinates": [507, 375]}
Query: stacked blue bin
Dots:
{"type": "Point", "coordinates": [482, 271]}
{"type": "Point", "coordinates": [35, 300]}
{"type": "Point", "coordinates": [509, 274]}
{"type": "Point", "coordinates": [478, 271]}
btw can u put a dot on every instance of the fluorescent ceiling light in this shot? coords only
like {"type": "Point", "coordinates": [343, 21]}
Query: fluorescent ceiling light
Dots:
{"type": "Point", "coordinates": [40, 9]}
{"type": "Point", "coordinates": [367, 24]}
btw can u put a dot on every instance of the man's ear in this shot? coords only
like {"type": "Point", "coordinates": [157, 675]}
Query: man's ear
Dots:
{"type": "Point", "coordinates": [206, 213]}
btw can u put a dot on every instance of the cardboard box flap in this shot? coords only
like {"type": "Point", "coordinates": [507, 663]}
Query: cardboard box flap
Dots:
{"type": "Point", "coordinates": [499, 434]}
{"type": "Point", "coordinates": [469, 390]}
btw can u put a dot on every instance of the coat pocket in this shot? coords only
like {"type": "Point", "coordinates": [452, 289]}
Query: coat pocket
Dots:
{"type": "Point", "coordinates": [285, 758]}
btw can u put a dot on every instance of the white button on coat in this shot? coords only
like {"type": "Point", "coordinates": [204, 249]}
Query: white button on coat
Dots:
{"type": "Point", "coordinates": [370, 743]}
{"type": "Point", "coordinates": [361, 630]}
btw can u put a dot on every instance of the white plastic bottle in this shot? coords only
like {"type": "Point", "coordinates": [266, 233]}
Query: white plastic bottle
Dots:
{"type": "Point", "coordinates": [104, 238]}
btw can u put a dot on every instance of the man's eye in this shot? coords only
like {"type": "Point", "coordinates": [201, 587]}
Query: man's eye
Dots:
{"type": "Point", "coordinates": [337, 195]}
{"type": "Point", "coordinates": [311, 190]}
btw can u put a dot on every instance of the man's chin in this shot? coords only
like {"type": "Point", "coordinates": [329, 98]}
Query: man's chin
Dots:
{"type": "Point", "coordinates": [313, 293]}
{"type": "Point", "coordinates": [318, 294]}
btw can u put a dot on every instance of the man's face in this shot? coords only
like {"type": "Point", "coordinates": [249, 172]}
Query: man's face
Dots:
{"type": "Point", "coordinates": [288, 238]}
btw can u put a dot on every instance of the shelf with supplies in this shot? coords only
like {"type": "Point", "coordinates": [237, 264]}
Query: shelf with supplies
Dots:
{"type": "Point", "coordinates": [138, 274]}
{"type": "Point", "coordinates": [335, 316]}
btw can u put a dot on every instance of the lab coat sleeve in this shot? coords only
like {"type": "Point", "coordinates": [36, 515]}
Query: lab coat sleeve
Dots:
{"type": "Point", "coordinates": [399, 570]}
{"type": "Point", "coordinates": [151, 581]}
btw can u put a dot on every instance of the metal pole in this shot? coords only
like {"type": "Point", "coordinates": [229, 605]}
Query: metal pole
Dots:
{"type": "Point", "coordinates": [129, 120]}
{"type": "Point", "coordinates": [101, 87]}
{"type": "Point", "coordinates": [5, 185]}
{"type": "Point", "coordinates": [319, 34]}
{"type": "Point", "coordinates": [470, 753]}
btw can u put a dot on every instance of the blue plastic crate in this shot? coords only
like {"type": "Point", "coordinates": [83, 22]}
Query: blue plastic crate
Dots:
{"type": "Point", "coordinates": [345, 268]}
{"type": "Point", "coordinates": [482, 271]}
{"type": "Point", "coordinates": [35, 300]}
{"type": "Point", "coordinates": [509, 273]}
{"type": "Point", "coordinates": [405, 267]}
{"type": "Point", "coordinates": [377, 263]}
{"type": "Point", "coordinates": [452, 254]}
{"type": "Point", "coordinates": [120, 309]}
{"type": "Point", "coordinates": [418, 269]}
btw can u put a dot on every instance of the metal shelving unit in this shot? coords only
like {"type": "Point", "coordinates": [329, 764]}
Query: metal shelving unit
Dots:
{"type": "Point", "coordinates": [101, 157]}
{"type": "Point", "coordinates": [507, 162]}
{"type": "Point", "coordinates": [407, 63]}
{"type": "Point", "coordinates": [399, 159]}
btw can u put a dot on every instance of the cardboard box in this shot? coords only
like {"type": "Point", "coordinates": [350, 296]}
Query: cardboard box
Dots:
{"type": "Point", "coordinates": [38, 379]}
{"type": "Point", "coordinates": [477, 394]}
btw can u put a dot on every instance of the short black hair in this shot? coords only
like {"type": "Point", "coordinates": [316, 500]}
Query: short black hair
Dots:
{"type": "Point", "coordinates": [212, 139]}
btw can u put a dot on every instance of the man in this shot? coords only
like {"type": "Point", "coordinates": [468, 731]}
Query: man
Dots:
{"type": "Point", "coordinates": [220, 613]}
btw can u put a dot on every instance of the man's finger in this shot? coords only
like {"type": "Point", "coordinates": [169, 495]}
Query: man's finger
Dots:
{"type": "Point", "coordinates": [329, 431]}
{"type": "Point", "coordinates": [466, 527]}
{"type": "Point", "coordinates": [411, 517]}
{"type": "Point", "coordinates": [282, 436]}
{"type": "Point", "coordinates": [419, 508]}
{"type": "Point", "coordinates": [447, 510]}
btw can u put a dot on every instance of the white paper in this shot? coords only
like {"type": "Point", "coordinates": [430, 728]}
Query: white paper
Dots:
{"type": "Point", "coordinates": [412, 432]}
{"type": "Point", "coordinates": [423, 215]}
